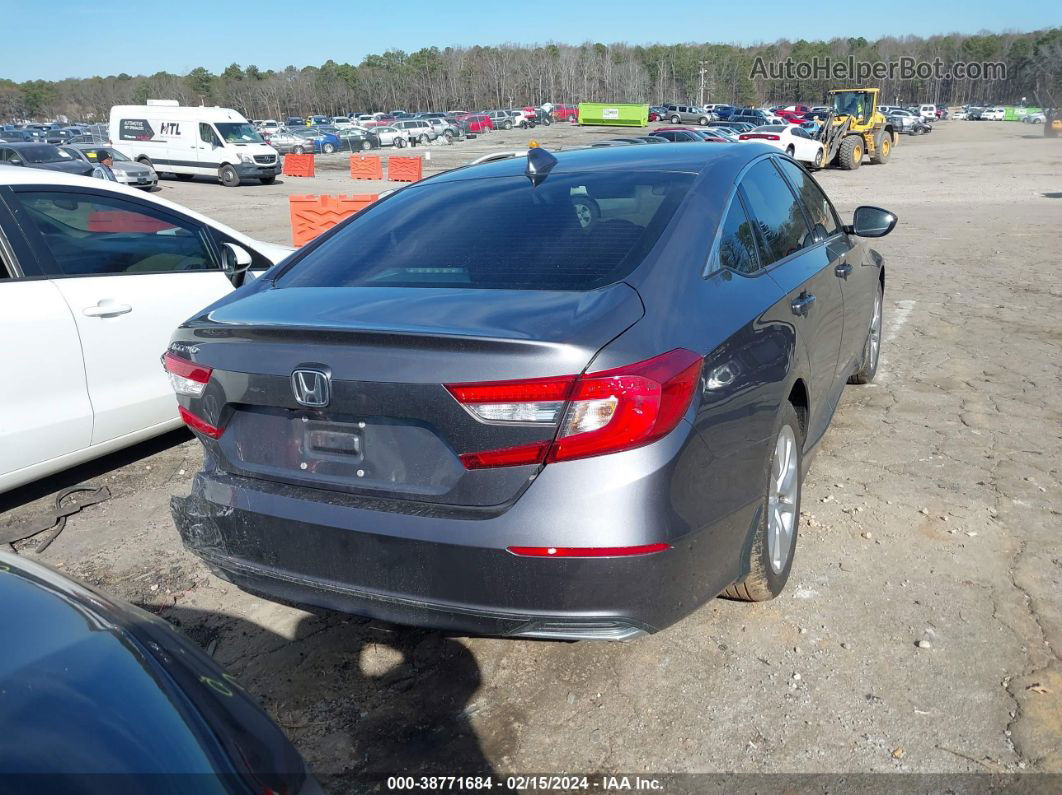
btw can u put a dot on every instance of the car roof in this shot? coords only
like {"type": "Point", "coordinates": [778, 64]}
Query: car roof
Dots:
{"type": "Point", "coordinates": [16, 176]}
{"type": "Point", "coordinates": [26, 144]}
{"type": "Point", "coordinates": [661, 157]}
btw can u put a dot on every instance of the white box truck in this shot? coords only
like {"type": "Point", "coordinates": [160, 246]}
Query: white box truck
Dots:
{"type": "Point", "coordinates": [191, 141]}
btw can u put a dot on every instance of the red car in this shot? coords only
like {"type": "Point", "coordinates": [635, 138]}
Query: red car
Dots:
{"type": "Point", "coordinates": [477, 122]}
{"type": "Point", "coordinates": [793, 113]}
{"type": "Point", "coordinates": [562, 112]}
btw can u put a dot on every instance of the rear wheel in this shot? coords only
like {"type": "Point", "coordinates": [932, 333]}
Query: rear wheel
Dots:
{"type": "Point", "coordinates": [884, 150]}
{"type": "Point", "coordinates": [366, 145]}
{"type": "Point", "coordinates": [328, 148]}
{"type": "Point", "coordinates": [400, 142]}
{"type": "Point", "coordinates": [774, 543]}
{"type": "Point", "coordinates": [423, 138]}
{"type": "Point", "coordinates": [508, 125]}
{"type": "Point", "coordinates": [228, 176]}
{"type": "Point", "coordinates": [298, 150]}
{"type": "Point", "coordinates": [851, 155]}
{"type": "Point", "coordinates": [703, 121]}
{"type": "Point", "coordinates": [868, 367]}
{"type": "Point", "coordinates": [790, 150]}
{"type": "Point", "coordinates": [675, 119]}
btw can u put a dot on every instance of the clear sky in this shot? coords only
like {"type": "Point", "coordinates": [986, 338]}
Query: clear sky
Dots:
{"type": "Point", "coordinates": [74, 38]}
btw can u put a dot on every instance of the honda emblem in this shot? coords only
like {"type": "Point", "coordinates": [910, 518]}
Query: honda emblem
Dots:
{"type": "Point", "coordinates": [311, 387]}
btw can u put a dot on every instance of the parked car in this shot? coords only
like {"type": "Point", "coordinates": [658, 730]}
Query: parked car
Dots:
{"type": "Point", "coordinates": [793, 114]}
{"type": "Point", "coordinates": [284, 140]}
{"type": "Point", "coordinates": [564, 112]}
{"type": "Point", "coordinates": [687, 114]}
{"type": "Point", "coordinates": [657, 112]}
{"type": "Point", "coordinates": [392, 136]}
{"type": "Point", "coordinates": [1034, 118]}
{"type": "Point", "coordinates": [928, 113]}
{"type": "Point", "coordinates": [101, 275]}
{"type": "Point", "coordinates": [476, 122]}
{"type": "Point", "coordinates": [500, 119]}
{"type": "Point", "coordinates": [679, 135]}
{"type": "Point", "coordinates": [903, 120]}
{"type": "Point", "coordinates": [126, 172]}
{"type": "Point", "coordinates": [358, 138]}
{"type": "Point", "coordinates": [419, 130]}
{"type": "Point", "coordinates": [323, 141]}
{"type": "Point", "coordinates": [993, 114]}
{"type": "Point", "coordinates": [268, 125]}
{"type": "Point", "coordinates": [44, 156]}
{"type": "Point", "coordinates": [294, 121]}
{"type": "Point", "coordinates": [568, 491]}
{"type": "Point", "coordinates": [754, 120]}
{"type": "Point", "coordinates": [794, 141]}
{"type": "Point", "coordinates": [161, 708]}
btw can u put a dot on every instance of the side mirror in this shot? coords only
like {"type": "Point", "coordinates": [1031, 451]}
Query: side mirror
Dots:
{"type": "Point", "coordinates": [235, 262]}
{"type": "Point", "coordinates": [871, 222]}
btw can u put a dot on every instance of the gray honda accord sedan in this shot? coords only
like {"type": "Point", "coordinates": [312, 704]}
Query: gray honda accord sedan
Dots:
{"type": "Point", "coordinates": [566, 395]}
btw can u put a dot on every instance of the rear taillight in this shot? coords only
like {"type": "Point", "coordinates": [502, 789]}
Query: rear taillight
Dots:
{"type": "Point", "coordinates": [186, 377]}
{"type": "Point", "coordinates": [604, 412]}
{"type": "Point", "coordinates": [190, 379]}
{"type": "Point", "coordinates": [758, 136]}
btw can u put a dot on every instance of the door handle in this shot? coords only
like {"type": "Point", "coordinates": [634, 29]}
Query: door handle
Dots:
{"type": "Point", "coordinates": [106, 309]}
{"type": "Point", "coordinates": [842, 270]}
{"type": "Point", "coordinates": [802, 305]}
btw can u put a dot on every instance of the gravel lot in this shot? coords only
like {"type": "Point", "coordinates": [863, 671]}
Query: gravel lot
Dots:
{"type": "Point", "coordinates": [922, 625]}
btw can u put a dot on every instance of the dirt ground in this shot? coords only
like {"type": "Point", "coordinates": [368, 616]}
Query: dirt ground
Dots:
{"type": "Point", "coordinates": [922, 625]}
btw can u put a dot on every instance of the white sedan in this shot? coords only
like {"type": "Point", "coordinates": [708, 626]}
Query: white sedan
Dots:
{"type": "Point", "coordinates": [94, 278]}
{"type": "Point", "coordinates": [795, 141]}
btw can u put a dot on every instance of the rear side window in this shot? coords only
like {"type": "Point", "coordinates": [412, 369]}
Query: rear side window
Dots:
{"type": "Point", "coordinates": [820, 211]}
{"type": "Point", "coordinates": [737, 242]}
{"type": "Point", "coordinates": [91, 235]}
{"type": "Point", "coordinates": [779, 219]}
{"type": "Point", "coordinates": [572, 232]}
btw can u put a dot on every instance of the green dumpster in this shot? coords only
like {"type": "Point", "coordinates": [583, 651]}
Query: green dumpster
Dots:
{"type": "Point", "coordinates": [613, 115]}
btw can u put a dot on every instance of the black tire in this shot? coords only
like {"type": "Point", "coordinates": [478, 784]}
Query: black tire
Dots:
{"type": "Point", "coordinates": [298, 150]}
{"type": "Point", "coordinates": [366, 145]}
{"type": "Point", "coordinates": [703, 121]}
{"type": "Point", "coordinates": [507, 126]}
{"type": "Point", "coordinates": [850, 157]}
{"type": "Point", "coordinates": [868, 365]}
{"type": "Point", "coordinates": [328, 148]}
{"type": "Point", "coordinates": [547, 121]}
{"type": "Point", "coordinates": [763, 581]}
{"type": "Point", "coordinates": [400, 142]}
{"type": "Point", "coordinates": [145, 161]}
{"type": "Point", "coordinates": [790, 150]}
{"type": "Point", "coordinates": [883, 151]}
{"type": "Point", "coordinates": [228, 176]}
{"type": "Point", "coordinates": [185, 177]}
{"type": "Point", "coordinates": [676, 119]}
{"type": "Point", "coordinates": [267, 180]}
{"type": "Point", "coordinates": [423, 138]}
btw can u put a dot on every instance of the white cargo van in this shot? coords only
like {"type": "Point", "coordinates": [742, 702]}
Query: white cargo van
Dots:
{"type": "Point", "coordinates": [190, 141]}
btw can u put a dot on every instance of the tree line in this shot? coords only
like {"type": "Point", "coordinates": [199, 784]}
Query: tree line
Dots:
{"type": "Point", "coordinates": [476, 78]}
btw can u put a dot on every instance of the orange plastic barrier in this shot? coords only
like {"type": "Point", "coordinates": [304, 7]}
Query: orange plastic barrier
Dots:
{"type": "Point", "coordinates": [366, 167]}
{"type": "Point", "coordinates": [125, 222]}
{"type": "Point", "coordinates": [298, 165]}
{"type": "Point", "coordinates": [405, 169]}
{"type": "Point", "coordinates": [312, 215]}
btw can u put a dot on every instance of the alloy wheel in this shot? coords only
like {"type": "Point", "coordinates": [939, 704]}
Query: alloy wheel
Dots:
{"type": "Point", "coordinates": [782, 499]}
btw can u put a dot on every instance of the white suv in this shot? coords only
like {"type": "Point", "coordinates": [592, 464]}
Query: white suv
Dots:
{"type": "Point", "coordinates": [94, 278]}
{"type": "Point", "coordinates": [993, 114]}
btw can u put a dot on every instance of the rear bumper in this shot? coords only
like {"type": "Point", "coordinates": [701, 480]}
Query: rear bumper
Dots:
{"type": "Point", "coordinates": [454, 573]}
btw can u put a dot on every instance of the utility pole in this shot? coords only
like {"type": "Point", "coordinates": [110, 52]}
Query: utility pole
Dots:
{"type": "Point", "coordinates": [703, 70]}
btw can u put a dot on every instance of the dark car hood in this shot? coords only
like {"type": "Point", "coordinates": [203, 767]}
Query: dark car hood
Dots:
{"type": "Point", "coordinates": [89, 685]}
{"type": "Point", "coordinates": [67, 167]}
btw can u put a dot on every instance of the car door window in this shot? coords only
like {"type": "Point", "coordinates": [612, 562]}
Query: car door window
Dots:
{"type": "Point", "coordinates": [736, 249]}
{"type": "Point", "coordinates": [820, 212]}
{"type": "Point", "coordinates": [90, 234]}
{"type": "Point", "coordinates": [206, 135]}
{"type": "Point", "coordinates": [780, 223]}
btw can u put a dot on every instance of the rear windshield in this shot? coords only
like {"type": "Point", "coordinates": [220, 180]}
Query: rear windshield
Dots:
{"type": "Point", "coordinates": [572, 232]}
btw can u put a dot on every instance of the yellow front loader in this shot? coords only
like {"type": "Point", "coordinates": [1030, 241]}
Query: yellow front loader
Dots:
{"type": "Point", "coordinates": [855, 128]}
